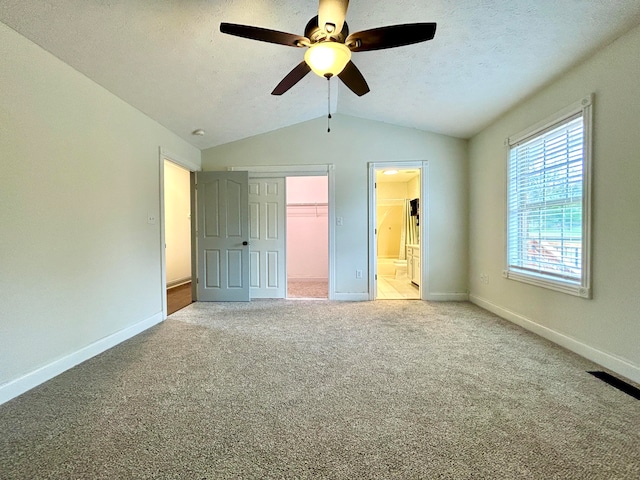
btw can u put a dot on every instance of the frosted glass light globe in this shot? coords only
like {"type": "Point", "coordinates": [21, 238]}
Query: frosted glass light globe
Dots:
{"type": "Point", "coordinates": [327, 59]}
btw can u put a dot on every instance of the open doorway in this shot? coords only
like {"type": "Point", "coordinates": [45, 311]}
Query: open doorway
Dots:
{"type": "Point", "coordinates": [177, 236]}
{"type": "Point", "coordinates": [396, 232]}
{"type": "Point", "coordinates": [307, 237]}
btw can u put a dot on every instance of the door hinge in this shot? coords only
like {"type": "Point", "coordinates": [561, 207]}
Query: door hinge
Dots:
{"type": "Point", "coordinates": [376, 276]}
{"type": "Point", "coordinates": [197, 281]}
{"type": "Point", "coordinates": [375, 231]}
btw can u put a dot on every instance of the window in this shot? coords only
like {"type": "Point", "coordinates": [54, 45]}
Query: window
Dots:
{"type": "Point", "coordinates": [548, 202]}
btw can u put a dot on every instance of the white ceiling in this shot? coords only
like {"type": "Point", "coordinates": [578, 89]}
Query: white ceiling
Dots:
{"type": "Point", "coordinates": [169, 59]}
{"type": "Point", "coordinates": [403, 176]}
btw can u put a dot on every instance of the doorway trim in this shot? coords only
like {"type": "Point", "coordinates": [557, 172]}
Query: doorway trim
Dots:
{"type": "Point", "coordinates": [328, 170]}
{"type": "Point", "coordinates": [192, 167]}
{"type": "Point", "coordinates": [423, 166]}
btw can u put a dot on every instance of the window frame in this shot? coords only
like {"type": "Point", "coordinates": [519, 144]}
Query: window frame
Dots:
{"type": "Point", "coordinates": [581, 288]}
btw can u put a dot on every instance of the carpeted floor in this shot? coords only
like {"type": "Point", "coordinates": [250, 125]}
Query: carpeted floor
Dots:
{"type": "Point", "coordinates": [318, 389]}
{"type": "Point", "coordinates": [307, 289]}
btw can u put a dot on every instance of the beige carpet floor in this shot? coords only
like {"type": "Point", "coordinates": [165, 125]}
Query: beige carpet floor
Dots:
{"type": "Point", "coordinates": [307, 289]}
{"type": "Point", "coordinates": [281, 389]}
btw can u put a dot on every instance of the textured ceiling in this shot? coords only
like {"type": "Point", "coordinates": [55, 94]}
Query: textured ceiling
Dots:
{"type": "Point", "coordinates": [169, 59]}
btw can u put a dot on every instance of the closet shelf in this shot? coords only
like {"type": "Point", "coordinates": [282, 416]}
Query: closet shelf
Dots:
{"type": "Point", "coordinates": [308, 209]}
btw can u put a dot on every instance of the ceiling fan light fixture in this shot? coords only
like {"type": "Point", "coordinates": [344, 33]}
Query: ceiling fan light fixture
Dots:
{"type": "Point", "coordinates": [327, 59]}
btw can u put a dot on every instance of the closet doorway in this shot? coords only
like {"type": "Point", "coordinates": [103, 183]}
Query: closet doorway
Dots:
{"type": "Point", "coordinates": [326, 173]}
{"type": "Point", "coordinates": [307, 237]}
{"type": "Point", "coordinates": [396, 246]}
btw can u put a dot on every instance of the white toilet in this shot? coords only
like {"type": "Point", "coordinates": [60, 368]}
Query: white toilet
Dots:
{"type": "Point", "coordinates": [401, 269]}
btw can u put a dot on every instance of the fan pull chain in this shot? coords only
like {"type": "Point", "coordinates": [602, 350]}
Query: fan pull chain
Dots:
{"type": "Point", "coordinates": [329, 104]}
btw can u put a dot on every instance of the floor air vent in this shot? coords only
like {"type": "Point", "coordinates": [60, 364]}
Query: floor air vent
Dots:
{"type": "Point", "coordinates": [617, 383]}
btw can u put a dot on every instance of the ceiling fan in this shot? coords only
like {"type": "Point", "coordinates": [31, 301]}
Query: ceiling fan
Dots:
{"type": "Point", "coordinates": [330, 45]}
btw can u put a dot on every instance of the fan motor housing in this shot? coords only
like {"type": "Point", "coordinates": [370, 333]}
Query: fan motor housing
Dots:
{"type": "Point", "coordinates": [316, 34]}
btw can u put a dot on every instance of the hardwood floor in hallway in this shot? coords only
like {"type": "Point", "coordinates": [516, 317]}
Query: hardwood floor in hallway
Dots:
{"type": "Point", "coordinates": [178, 297]}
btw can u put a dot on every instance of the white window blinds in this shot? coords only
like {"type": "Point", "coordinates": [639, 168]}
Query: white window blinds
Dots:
{"type": "Point", "coordinates": [545, 202]}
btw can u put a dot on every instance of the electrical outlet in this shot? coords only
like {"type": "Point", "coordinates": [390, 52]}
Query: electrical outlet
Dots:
{"type": "Point", "coordinates": [339, 221]}
{"type": "Point", "coordinates": [358, 273]}
{"type": "Point", "coordinates": [484, 278]}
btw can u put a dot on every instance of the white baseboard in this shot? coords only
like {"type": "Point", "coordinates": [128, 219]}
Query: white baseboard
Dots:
{"type": "Point", "coordinates": [32, 379]}
{"type": "Point", "coordinates": [607, 360]}
{"type": "Point", "coordinates": [351, 297]}
{"type": "Point", "coordinates": [447, 297]}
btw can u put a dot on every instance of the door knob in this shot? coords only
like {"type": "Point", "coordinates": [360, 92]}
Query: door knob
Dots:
{"type": "Point", "coordinates": [245, 243]}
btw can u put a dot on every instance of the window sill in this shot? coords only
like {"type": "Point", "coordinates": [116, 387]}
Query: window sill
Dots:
{"type": "Point", "coordinates": [549, 283]}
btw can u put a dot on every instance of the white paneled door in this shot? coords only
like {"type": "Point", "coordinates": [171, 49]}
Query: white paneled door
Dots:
{"type": "Point", "coordinates": [267, 211]}
{"type": "Point", "coordinates": [223, 236]}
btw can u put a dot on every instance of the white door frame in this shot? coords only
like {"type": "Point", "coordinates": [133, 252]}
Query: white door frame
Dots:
{"type": "Point", "coordinates": [328, 170]}
{"type": "Point", "coordinates": [423, 166]}
{"type": "Point", "coordinates": [192, 167]}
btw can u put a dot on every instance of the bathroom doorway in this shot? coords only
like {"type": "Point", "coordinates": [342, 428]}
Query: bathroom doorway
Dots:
{"type": "Point", "coordinates": [397, 251]}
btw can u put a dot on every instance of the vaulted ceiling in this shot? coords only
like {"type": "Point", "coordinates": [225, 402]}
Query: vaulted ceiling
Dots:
{"type": "Point", "coordinates": [169, 59]}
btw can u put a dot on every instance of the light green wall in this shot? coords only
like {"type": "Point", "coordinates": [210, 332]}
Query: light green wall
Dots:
{"type": "Point", "coordinates": [351, 144]}
{"type": "Point", "coordinates": [606, 328]}
{"type": "Point", "coordinates": [79, 173]}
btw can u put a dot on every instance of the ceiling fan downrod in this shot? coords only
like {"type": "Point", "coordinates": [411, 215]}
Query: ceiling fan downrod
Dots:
{"type": "Point", "coordinates": [328, 104]}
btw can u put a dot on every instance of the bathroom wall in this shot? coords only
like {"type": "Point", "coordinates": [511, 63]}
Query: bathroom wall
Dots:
{"type": "Point", "coordinates": [413, 187]}
{"type": "Point", "coordinates": [389, 212]}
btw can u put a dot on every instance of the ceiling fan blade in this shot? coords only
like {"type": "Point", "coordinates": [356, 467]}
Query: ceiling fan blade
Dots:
{"type": "Point", "coordinates": [353, 79]}
{"type": "Point", "coordinates": [293, 77]}
{"type": "Point", "coordinates": [264, 35]}
{"type": "Point", "coordinates": [391, 36]}
{"type": "Point", "coordinates": [332, 12]}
